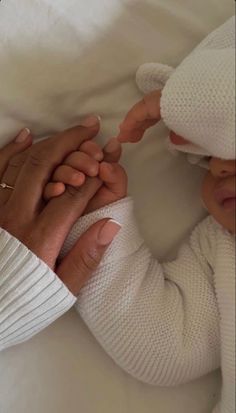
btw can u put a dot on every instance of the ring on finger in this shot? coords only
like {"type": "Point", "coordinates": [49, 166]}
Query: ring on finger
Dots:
{"type": "Point", "coordinates": [3, 185]}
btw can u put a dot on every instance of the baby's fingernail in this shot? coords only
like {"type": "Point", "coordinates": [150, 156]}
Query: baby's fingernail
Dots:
{"type": "Point", "coordinates": [91, 121]}
{"type": "Point", "coordinates": [23, 135]}
{"type": "Point", "coordinates": [112, 146]}
{"type": "Point", "coordinates": [108, 232]}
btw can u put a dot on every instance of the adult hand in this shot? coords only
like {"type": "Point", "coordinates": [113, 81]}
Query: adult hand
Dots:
{"type": "Point", "coordinates": [42, 227]}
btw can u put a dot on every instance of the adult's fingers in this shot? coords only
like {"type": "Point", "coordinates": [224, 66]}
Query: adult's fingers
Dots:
{"type": "Point", "coordinates": [42, 161]}
{"type": "Point", "coordinates": [22, 141]}
{"type": "Point", "coordinates": [12, 157]}
{"type": "Point", "coordinates": [114, 178]}
{"type": "Point", "coordinates": [84, 258]}
{"type": "Point", "coordinates": [61, 213]}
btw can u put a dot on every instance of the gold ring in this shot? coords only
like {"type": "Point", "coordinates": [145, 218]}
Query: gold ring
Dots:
{"type": "Point", "coordinates": [3, 185]}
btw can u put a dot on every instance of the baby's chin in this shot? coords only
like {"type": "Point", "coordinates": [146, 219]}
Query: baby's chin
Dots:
{"type": "Point", "coordinates": [226, 217]}
{"type": "Point", "coordinates": [219, 198]}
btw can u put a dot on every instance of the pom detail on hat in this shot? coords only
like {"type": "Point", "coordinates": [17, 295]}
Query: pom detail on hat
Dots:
{"type": "Point", "coordinates": [153, 76]}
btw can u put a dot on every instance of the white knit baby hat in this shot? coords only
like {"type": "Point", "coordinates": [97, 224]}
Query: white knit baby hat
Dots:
{"type": "Point", "coordinates": [198, 98]}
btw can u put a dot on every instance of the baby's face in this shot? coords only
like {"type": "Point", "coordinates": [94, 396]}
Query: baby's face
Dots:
{"type": "Point", "coordinates": [219, 192]}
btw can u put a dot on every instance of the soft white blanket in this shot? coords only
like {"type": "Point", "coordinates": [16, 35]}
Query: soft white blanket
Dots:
{"type": "Point", "coordinates": [60, 60]}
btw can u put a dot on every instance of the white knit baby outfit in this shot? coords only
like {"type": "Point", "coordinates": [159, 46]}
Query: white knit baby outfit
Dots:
{"type": "Point", "coordinates": [164, 324]}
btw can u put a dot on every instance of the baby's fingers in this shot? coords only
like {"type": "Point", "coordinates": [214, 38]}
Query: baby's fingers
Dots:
{"type": "Point", "coordinates": [142, 116]}
{"type": "Point", "coordinates": [53, 189]}
{"type": "Point", "coordinates": [92, 149]}
{"type": "Point", "coordinates": [135, 135]}
{"type": "Point", "coordinates": [114, 186]}
{"type": "Point", "coordinates": [69, 176]}
{"type": "Point", "coordinates": [64, 175]}
{"type": "Point", "coordinates": [115, 179]}
{"type": "Point", "coordinates": [83, 162]}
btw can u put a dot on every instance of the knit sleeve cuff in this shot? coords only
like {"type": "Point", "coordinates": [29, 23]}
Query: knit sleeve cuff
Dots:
{"type": "Point", "coordinates": [126, 242]}
{"type": "Point", "coordinates": [31, 294]}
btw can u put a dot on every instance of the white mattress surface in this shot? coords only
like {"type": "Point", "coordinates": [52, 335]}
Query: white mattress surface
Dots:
{"type": "Point", "coordinates": [61, 60]}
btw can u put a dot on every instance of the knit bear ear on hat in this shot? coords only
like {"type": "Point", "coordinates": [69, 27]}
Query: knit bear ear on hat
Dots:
{"type": "Point", "coordinates": [198, 98]}
{"type": "Point", "coordinates": [153, 76]}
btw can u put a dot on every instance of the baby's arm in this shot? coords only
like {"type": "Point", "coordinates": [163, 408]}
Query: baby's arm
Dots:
{"type": "Point", "coordinates": [160, 323]}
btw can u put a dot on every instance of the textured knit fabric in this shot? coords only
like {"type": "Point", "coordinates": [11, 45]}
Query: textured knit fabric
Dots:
{"type": "Point", "coordinates": [164, 324]}
{"type": "Point", "coordinates": [31, 295]}
{"type": "Point", "coordinates": [198, 100]}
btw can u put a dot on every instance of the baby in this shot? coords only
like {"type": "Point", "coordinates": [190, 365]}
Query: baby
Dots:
{"type": "Point", "coordinates": [170, 323]}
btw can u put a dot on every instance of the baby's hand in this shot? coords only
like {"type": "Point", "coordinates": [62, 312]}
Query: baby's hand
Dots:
{"type": "Point", "coordinates": [73, 172]}
{"type": "Point", "coordinates": [142, 116]}
{"type": "Point", "coordinates": [112, 174]}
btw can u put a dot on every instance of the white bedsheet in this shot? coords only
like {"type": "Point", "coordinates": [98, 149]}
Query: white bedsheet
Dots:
{"type": "Point", "coordinates": [60, 60]}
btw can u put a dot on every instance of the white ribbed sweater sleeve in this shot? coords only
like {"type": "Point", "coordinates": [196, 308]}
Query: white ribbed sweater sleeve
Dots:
{"type": "Point", "coordinates": [158, 322]}
{"type": "Point", "coordinates": [31, 295]}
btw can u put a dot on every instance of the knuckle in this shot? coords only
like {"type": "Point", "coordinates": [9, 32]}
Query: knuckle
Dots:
{"type": "Point", "coordinates": [38, 159]}
{"type": "Point", "coordinates": [6, 152]}
{"type": "Point", "coordinates": [17, 161]}
{"type": "Point", "coordinates": [89, 260]}
{"type": "Point", "coordinates": [83, 194]}
{"type": "Point", "coordinates": [73, 175]}
{"type": "Point", "coordinates": [42, 151]}
{"type": "Point", "coordinates": [86, 146]}
{"type": "Point", "coordinates": [71, 192]}
{"type": "Point", "coordinates": [77, 194]}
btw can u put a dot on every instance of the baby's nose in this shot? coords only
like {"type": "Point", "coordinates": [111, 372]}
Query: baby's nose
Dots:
{"type": "Point", "coordinates": [222, 168]}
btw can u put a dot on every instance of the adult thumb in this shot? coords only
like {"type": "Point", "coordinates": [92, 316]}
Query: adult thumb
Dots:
{"type": "Point", "coordinates": [84, 258]}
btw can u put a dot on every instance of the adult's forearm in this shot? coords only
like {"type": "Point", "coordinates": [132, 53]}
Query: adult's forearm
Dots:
{"type": "Point", "coordinates": [31, 294]}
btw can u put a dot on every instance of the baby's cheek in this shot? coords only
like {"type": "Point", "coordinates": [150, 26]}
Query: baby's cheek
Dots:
{"type": "Point", "coordinates": [222, 216]}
